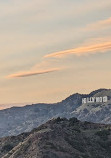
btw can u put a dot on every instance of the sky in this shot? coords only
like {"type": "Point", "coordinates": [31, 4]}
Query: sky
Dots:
{"type": "Point", "coordinates": [51, 49]}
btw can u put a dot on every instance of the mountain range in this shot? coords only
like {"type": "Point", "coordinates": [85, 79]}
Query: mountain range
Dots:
{"type": "Point", "coordinates": [60, 138]}
{"type": "Point", "coordinates": [16, 120]}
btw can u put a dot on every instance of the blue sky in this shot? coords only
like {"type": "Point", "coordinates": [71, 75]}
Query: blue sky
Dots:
{"type": "Point", "coordinates": [32, 32]}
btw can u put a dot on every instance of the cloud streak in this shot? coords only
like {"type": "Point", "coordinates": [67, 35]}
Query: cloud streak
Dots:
{"type": "Point", "coordinates": [32, 73]}
{"type": "Point", "coordinates": [83, 50]}
{"type": "Point", "coordinates": [99, 24]}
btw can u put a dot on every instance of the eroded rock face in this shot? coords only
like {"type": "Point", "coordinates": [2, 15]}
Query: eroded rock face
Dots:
{"type": "Point", "coordinates": [16, 120]}
{"type": "Point", "coordinates": [60, 138]}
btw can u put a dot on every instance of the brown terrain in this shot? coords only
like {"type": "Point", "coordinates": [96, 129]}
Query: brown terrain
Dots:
{"type": "Point", "coordinates": [60, 138]}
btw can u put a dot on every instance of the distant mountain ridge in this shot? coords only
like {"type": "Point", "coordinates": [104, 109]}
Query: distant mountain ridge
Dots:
{"type": "Point", "coordinates": [16, 120]}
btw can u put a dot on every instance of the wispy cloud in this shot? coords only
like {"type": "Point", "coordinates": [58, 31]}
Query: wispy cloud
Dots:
{"type": "Point", "coordinates": [99, 24]}
{"type": "Point", "coordinates": [83, 50]}
{"type": "Point", "coordinates": [32, 73]}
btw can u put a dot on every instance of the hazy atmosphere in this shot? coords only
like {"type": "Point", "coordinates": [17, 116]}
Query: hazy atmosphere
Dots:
{"type": "Point", "coordinates": [53, 48]}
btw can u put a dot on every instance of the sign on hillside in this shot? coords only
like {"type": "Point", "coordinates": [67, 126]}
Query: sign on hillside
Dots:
{"type": "Point", "coordinates": [95, 100]}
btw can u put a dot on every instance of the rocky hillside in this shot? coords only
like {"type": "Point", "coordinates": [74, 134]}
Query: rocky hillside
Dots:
{"type": "Point", "coordinates": [95, 112]}
{"type": "Point", "coordinates": [16, 120]}
{"type": "Point", "coordinates": [60, 138]}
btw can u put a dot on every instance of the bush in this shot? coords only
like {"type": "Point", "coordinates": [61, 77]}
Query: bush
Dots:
{"type": "Point", "coordinates": [72, 121]}
{"type": "Point", "coordinates": [7, 147]}
{"type": "Point", "coordinates": [59, 119]}
{"type": "Point", "coordinates": [106, 145]}
{"type": "Point", "coordinates": [76, 144]}
{"type": "Point", "coordinates": [103, 134]}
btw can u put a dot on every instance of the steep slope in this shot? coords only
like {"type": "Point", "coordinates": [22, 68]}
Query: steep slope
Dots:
{"type": "Point", "coordinates": [60, 138]}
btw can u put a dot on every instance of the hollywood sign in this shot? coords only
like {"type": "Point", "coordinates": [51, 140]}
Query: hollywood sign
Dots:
{"type": "Point", "coordinates": [95, 100]}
